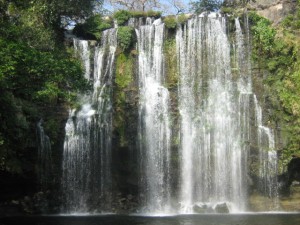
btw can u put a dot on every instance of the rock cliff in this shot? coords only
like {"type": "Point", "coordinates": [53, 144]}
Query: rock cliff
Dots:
{"type": "Point", "coordinates": [274, 10]}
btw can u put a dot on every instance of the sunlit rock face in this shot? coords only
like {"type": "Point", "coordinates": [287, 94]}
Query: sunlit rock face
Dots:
{"type": "Point", "coordinates": [274, 10]}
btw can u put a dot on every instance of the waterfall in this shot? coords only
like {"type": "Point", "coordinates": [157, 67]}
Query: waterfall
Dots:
{"type": "Point", "coordinates": [82, 48]}
{"type": "Point", "coordinates": [267, 159]}
{"type": "Point", "coordinates": [210, 151]}
{"type": "Point", "coordinates": [154, 125]}
{"type": "Point", "coordinates": [244, 83]}
{"type": "Point", "coordinates": [214, 110]}
{"type": "Point", "coordinates": [44, 157]}
{"type": "Point", "coordinates": [86, 179]}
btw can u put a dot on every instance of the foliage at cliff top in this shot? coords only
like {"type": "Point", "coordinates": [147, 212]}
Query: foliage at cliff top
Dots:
{"type": "Point", "coordinates": [171, 22]}
{"type": "Point", "coordinates": [126, 37]}
{"type": "Point", "coordinates": [206, 5]}
{"type": "Point", "coordinates": [92, 27]}
{"type": "Point", "coordinates": [277, 51]}
{"type": "Point", "coordinates": [122, 16]}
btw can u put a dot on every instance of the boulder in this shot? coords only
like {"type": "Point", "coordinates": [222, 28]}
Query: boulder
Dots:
{"type": "Point", "coordinates": [221, 208]}
{"type": "Point", "coordinates": [200, 208]}
{"type": "Point", "coordinates": [294, 169]}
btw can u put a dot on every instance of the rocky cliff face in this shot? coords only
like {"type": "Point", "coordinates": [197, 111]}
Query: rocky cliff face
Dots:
{"type": "Point", "coordinates": [274, 10]}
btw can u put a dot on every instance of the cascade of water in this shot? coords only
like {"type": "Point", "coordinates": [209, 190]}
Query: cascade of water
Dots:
{"type": "Point", "coordinates": [267, 158]}
{"type": "Point", "coordinates": [242, 60]}
{"type": "Point", "coordinates": [244, 83]}
{"type": "Point", "coordinates": [215, 94]}
{"type": "Point", "coordinates": [265, 137]}
{"type": "Point", "coordinates": [137, 22]}
{"type": "Point", "coordinates": [86, 179]}
{"type": "Point", "coordinates": [154, 124]}
{"type": "Point", "coordinates": [213, 165]}
{"type": "Point", "coordinates": [44, 157]}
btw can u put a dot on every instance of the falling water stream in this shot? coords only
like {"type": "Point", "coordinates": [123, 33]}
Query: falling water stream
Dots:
{"type": "Point", "coordinates": [211, 146]}
{"type": "Point", "coordinates": [214, 105]}
{"type": "Point", "coordinates": [154, 124]}
{"type": "Point", "coordinates": [44, 157]}
{"type": "Point", "coordinates": [86, 180]}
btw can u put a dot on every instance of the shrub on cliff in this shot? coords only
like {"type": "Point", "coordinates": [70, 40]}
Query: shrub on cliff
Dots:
{"type": "Point", "coordinates": [126, 37]}
{"type": "Point", "coordinates": [93, 27]}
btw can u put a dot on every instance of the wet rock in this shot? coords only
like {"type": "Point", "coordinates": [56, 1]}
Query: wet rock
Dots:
{"type": "Point", "coordinates": [221, 208]}
{"type": "Point", "coordinates": [27, 205]}
{"type": "Point", "coordinates": [40, 203]}
{"type": "Point", "coordinates": [10, 209]}
{"type": "Point", "coordinates": [203, 208]}
{"type": "Point", "coordinates": [129, 197]}
{"type": "Point", "coordinates": [294, 169]}
{"type": "Point", "coordinates": [261, 203]}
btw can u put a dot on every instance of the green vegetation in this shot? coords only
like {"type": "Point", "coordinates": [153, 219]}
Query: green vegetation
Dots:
{"type": "Point", "coordinates": [171, 63]}
{"type": "Point", "coordinates": [291, 23]}
{"type": "Point", "coordinates": [171, 22]}
{"type": "Point", "coordinates": [172, 81]}
{"type": "Point", "coordinates": [263, 36]}
{"type": "Point", "coordinates": [93, 27]}
{"type": "Point", "coordinates": [182, 18]}
{"type": "Point", "coordinates": [122, 16]}
{"type": "Point", "coordinates": [276, 51]}
{"type": "Point", "coordinates": [123, 80]}
{"type": "Point", "coordinates": [38, 75]}
{"type": "Point", "coordinates": [226, 10]}
{"type": "Point", "coordinates": [126, 37]}
{"type": "Point", "coordinates": [124, 71]}
{"type": "Point", "coordinates": [150, 13]}
{"type": "Point", "coordinates": [206, 5]}
{"type": "Point", "coordinates": [35, 75]}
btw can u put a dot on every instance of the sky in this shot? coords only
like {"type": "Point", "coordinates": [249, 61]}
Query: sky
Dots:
{"type": "Point", "coordinates": [168, 9]}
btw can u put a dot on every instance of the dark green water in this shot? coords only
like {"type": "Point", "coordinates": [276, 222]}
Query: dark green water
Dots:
{"type": "Point", "coordinates": [208, 219]}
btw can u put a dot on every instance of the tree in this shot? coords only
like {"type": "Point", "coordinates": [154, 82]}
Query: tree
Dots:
{"type": "Point", "coordinates": [236, 2]}
{"type": "Point", "coordinates": [53, 12]}
{"type": "Point", "coordinates": [38, 74]}
{"type": "Point", "coordinates": [206, 5]}
{"type": "Point", "coordinates": [178, 6]}
{"type": "Point", "coordinates": [135, 5]}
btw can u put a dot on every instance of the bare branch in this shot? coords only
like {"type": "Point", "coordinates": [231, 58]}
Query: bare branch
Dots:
{"type": "Point", "coordinates": [136, 5]}
{"type": "Point", "coordinates": [178, 5]}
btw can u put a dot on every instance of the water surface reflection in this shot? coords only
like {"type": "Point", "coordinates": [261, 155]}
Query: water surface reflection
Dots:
{"type": "Point", "coordinates": [209, 219]}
